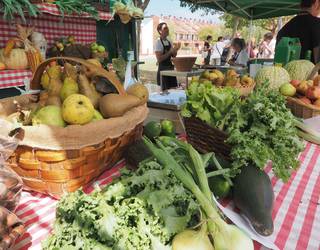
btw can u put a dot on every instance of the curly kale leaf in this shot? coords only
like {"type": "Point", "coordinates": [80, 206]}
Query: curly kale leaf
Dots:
{"type": "Point", "coordinates": [265, 132]}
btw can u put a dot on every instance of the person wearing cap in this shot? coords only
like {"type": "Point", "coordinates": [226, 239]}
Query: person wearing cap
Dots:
{"type": "Point", "coordinates": [164, 51]}
{"type": "Point", "coordinates": [306, 27]}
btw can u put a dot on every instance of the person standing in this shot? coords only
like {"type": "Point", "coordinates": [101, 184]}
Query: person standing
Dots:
{"type": "Point", "coordinates": [217, 51]}
{"type": "Point", "coordinates": [207, 50]}
{"type": "Point", "coordinates": [240, 56]}
{"type": "Point", "coordinates": [267, 47]}
{"type": "Point", "coordinates": [306, 27]}
{"type": "Point", "coordinates": [164, 51]}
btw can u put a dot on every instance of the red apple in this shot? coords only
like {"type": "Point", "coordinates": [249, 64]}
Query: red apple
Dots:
{"type": "Point", "coordinates": [303, 87]}
{"type": "Point", "coordinates": [295, 83]}
{"type": "Point", "coordinates": [313, 93]}
{"type": "Point", "coordinates": [317, 103]}
{"type": "Point", "coordinates": [305, 100]}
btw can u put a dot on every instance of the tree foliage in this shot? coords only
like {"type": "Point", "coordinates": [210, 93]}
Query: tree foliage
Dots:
{"type": "Point", "coordinates": [270, 24]}
{"type": "Point", "coordinates": [213, 31]}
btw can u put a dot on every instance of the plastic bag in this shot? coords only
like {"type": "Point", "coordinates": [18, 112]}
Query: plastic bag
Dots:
{"type": "Point", "coordinates": [10, 183]}
{"type": "Point", "coordinates": [11, 228]}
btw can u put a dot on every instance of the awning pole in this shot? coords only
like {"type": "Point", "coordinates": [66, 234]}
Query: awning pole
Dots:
{"type": "Point", "coordinates": [250, 35]}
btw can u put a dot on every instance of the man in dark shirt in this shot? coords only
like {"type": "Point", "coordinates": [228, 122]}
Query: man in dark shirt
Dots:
{"type": "Point", "coordinates": [306, 27]}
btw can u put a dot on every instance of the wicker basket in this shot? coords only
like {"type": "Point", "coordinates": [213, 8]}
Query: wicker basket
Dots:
{"type": "Point", "coordinates": [245, 91]}
{"type": "Point", "coordinates": [56, 172]}
{"type": "Point", "coordinates": [301, 109]}
{"type": "Point", "coordinates": [184, 64]}
{"type": "Point", "coordinates": [206, 138]}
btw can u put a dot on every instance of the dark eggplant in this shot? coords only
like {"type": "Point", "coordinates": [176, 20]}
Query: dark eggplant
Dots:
{"type": "Point", "coordinates": [253, 195]}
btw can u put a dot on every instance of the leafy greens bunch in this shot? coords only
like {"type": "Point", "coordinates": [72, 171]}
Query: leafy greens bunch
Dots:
{"type": "Point", "coordinates": [260, 128]}
{"type": "Point", "coordinates": [211, 104]}
{"type": "Point", "coordinates": [142, 210]}
{"type": "Point", "coordinates": [265, 131]}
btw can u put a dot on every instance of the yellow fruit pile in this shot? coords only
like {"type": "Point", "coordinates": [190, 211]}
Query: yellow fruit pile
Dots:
{"type": "Point", "coordinates": [70, 97]}
{"type": "Point", "coordinates": [231, 78]}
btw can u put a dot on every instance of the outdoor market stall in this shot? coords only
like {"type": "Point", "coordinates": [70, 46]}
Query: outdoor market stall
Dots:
{"type": "Point", "coordinates": [163, 203]}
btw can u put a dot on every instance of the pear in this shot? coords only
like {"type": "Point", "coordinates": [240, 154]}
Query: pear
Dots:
{"type": "Point", "coordinates": [54, 72]}
{"type": "Point", "coordinates": [89, 90]}
{"type": "Point", "coordinates": [55, 86]}
{"type": "Point", "coordinates": [49, 115]}
{"type": "Point", "coordinates": [70, 71]}
{"type": "Point", "coordinates": [54, 100]}
{"type": "Point", "coordinates": [45, 80]}
{"type": "Point", "coordinates": [69, 87]}
{"type": "Point", "coordinates": [114, 105]}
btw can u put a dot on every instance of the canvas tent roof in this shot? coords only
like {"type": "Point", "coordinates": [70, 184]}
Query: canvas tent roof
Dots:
{"type": "Point", "coordinates": [251, 9]}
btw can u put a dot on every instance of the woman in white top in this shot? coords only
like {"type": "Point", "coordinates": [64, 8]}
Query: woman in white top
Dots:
{"type": "Point", "coordinates": [240, 56]}
{"type": "Point", "coordinates": [217, 51]}
{"type": "Point", "coordinates": [267, 47]}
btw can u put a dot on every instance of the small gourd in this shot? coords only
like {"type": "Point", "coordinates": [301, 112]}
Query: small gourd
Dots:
{"type": "Point", "coordinates": [17, 59]}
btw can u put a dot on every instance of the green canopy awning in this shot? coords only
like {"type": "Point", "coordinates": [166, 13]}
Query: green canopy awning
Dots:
{"type": "Point", "coordinates": [251, 9]}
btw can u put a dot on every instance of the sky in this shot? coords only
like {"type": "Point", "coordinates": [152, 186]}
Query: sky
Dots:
{"type": "Point", "coordinates": [172, 7]}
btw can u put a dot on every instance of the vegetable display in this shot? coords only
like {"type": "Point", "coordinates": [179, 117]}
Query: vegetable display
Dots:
{"type": "Point", "coordinates": [253, 195]}
{"type": "Point", "coordinates": [141, 210]}
{"type": "Point", "coordinates": [13, 7]}
{"type": "Point", "coordinates": [193, 177]}
{"type": "Point", "coordinates": [211, 104]}
{"type": "Point", "coordinates": [76, 6]}
{"type": "Point", "coordinates": [265, 130]}
{"type": "Point", "coordinates": [260, 128]}
{"type": "Point", "coordinates": [165, 204]}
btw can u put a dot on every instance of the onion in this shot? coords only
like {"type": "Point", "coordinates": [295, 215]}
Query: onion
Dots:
{"type": "Point", "coordinates": [232, 238]}
{"type": "Point", "coordinates": [192, 240]}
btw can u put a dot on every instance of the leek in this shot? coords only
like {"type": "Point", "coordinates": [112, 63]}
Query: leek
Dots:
{"type": "Point", "coordinates": [225, 236]}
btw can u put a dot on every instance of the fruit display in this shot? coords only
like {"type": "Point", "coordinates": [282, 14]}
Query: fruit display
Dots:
{"type": "Point", "coordinates": [67, 46]}
{"type": "Point", "coordinates": [230, 79]}
{"type": "Point", "coordinates": [299, 69]}
{"type": "Point", "coordinates": [98, 51]}
{"type": "Point", "coordinates": [19, 52]}
{"type": "Point", "coordinates": [276, 76]}
{"type": "Point", "coordinates": [70, 98]}
{"type": "Point", "coordinates": [307, 91]}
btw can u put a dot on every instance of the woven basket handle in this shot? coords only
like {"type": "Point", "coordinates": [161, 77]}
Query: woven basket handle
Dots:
{"type": "Point", "coordinates": [314, 72]}
{"type": "Point", "coordinates": [93, 69]}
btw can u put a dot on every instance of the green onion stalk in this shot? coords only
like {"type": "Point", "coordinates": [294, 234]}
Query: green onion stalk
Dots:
{"type": "Point", "coordinates": [224, 236]}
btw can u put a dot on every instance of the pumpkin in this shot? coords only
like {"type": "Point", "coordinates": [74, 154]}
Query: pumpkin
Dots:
{"type": "Point", "coordinates": [16, 60]}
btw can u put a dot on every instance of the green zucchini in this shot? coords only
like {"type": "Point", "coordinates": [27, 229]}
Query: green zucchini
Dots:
{"type": "Point", "coordinates": [253, 195]}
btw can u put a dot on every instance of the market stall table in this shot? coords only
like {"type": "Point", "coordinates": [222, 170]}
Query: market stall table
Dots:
{"type": "Point", "coordinates": [296, 210]}
{"type": "Point", "coordinates": [180, 74]}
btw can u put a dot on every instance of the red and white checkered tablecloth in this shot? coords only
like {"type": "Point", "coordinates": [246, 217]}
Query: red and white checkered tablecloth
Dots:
{"type": "Point", "coordinates": [52, 27]}
{"type": "Point", "coordinates": [296, 211]}
{"type": "Point", "coordinates": [14, 78]}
